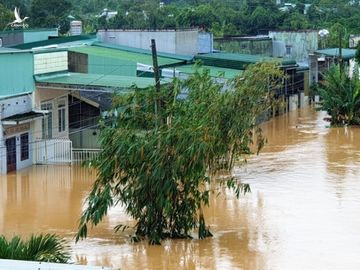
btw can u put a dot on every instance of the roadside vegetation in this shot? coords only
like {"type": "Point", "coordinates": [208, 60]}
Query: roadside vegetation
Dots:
{"type": "Point", "coordinates": [159, 166]}
{"type": "Point", "coordinates": [44, 248]}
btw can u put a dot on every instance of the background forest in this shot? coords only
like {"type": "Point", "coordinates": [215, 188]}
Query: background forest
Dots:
{"type": "Point", "coordinates": [222, 17]}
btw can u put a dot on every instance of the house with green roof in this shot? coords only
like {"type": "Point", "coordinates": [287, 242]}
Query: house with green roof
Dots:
{"type": "Point", "coordinates": [325, 58]}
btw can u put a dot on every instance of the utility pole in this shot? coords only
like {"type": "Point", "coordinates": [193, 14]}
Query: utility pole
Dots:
{"type": "Point", "coordinates": [340, 52]}
{"type": "Point", "coordinates": [157, 81]}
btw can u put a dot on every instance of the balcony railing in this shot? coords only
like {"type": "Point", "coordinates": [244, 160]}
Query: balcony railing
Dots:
{"type": "Point", "coordinates": [52, 151]}
{"type": "Point", "coordinates": [82, 154]}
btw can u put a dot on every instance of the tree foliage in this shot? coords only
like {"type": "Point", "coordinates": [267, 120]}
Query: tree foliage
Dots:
{"type": "Point", "coordinates": [225, 18]}
{"type": "Point", "coordinates": [50, 13]}
{"type": "Point", "coordinates": [340, 96]}
{"type": "Point", "coordinates": [44, 248]}
{"type": "Point", "coordinates": [159, 167]}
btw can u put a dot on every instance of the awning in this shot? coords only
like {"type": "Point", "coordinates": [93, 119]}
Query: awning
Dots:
{"type": "Point", "coordinates": [21, 118]}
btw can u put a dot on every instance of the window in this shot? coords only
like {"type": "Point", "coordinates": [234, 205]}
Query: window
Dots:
{"type": "Point", "coordinates": [288, 50]}
{"type": "Point", "coordinates": [47, 121]}
{"type": "Point", "coordinates": [61, 111]}
{"type": "Point", "coordinates": [24, 146]}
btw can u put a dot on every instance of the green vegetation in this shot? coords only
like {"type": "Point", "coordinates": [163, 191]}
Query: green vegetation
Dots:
{"type": "Point", "coordinates": [160, 166]}
{"type": "Point", "coordinates": [341, 97]}
{"type": "Point", "coordinates": [44, 248]}
{"type": "Point", "coordinates": [221, 17]}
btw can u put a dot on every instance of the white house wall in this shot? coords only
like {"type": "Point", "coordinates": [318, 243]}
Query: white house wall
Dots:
{"type": "Point", "coordinates": [9, 107]}
{"type": "Point", "coordinates": [176, 42]}
{"type": "Point", "coordinates": [301, 44]}
{"type": "Point", "coordinates": [15, 105]}
{"type": "Point", "coordinates": [50, 62]}
{"type": "Point", "coordinates": [54, 97]}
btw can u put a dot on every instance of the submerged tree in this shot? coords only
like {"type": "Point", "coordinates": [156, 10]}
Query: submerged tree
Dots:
{"type": "Point", "coordinates": [340, 97]}
{"type": "Point", "coordinates": [44, 248]}
{"type": "Point", "coordinates": [159, 166]}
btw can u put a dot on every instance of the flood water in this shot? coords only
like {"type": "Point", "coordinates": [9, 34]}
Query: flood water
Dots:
{"type": "Point", "coordinates": [303, 211]}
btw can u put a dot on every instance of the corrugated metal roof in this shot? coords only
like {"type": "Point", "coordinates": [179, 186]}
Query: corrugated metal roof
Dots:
{"type": "Point", "coordinates": [125, 55]}
{"type": "Point", "coordinates": [137, 50]}
{"type": "Point", "coordinates": [54, 41]}
{"type": "Point", "coordinates": [96, 80]}
{"type": "Point", "coordinates": [237, 60]}
{"type": "Point", "coordinates": [227, 73]}
{"type": "Point", "coordinates": [334, 52]}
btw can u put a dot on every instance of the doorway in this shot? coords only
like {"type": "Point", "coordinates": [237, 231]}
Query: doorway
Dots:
{"type": "Point", "coordinates": [11, 154]}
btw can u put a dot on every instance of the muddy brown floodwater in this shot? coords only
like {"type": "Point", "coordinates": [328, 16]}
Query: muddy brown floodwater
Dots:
{"type": "Point", "coordinates": [303, 212]}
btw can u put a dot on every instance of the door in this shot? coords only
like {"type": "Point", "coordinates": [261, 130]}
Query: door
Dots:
{"type": "Point", "coordinates": [11, 154]}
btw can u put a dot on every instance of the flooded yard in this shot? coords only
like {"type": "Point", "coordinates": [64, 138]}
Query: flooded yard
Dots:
{"type": "Point", "coordinates": [302, 212]}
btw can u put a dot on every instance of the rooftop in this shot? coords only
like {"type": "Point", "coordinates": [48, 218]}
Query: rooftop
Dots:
{"type": "Point", "coordinates": [237, 60]}
{"type": "Point", "coordinates": [56, 41]}
{"type": "Point", "coordinates": [227, 73]}
{"type": "Point", "coordinates": [134, 56]}
{"type": "Point", "coordinates": [334, 52]}
{"type": "Point", "coordinates": [83, 80]}
{"type": "Point", "coordinates": [148, 52]}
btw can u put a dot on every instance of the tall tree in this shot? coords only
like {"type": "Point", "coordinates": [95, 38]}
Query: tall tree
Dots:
{"type": "Point", "coordinates": [50, 13]}
{"type": "Point", "coordinates": [6, 16]}
{"type": "Point", "coordinates": [161, 174]}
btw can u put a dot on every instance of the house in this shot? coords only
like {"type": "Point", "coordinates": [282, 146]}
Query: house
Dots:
{"type": "Point", "coordinates": [295, 45]}
{"type": "Point", "coordinates": [17, 114]}
{"type": "Point", "coordinates": [84, 107]}
{"type": "Point", "coordinates": [20, 36]}
{"type": "Point", "coordinates": [294, 87]}
{"type": "Point", "coordinates": [102, 58]}
{"type": "Point", "coordinates": [327, 57]}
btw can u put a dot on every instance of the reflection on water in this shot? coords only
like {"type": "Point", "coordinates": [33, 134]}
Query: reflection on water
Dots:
{"type": "Point", "coordinates": [302, 212]}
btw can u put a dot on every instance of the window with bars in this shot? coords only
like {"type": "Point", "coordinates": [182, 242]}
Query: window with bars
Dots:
{"type": "Point", "coordinates": [61, 115]}
{"type": "Point", "coordinates": [24, 146]}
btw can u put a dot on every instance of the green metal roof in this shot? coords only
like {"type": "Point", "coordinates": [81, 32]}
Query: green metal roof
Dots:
{"type": "Point", "coordinates": [187, 58]}
{"type": "Point", "coordinates": [125, 55]}
{"type": "Point", "coordinates": [334, 52]}
{"type": "Point", "coordinates": [54, 41]}
{"type": "Point", "coordinates": [96, 80]}
{"type": "Point", "coordinates": [227, 73]}
{"type": "Point", "coordinates": [237, 60]}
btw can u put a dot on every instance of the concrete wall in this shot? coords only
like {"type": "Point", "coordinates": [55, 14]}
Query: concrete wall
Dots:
{"type": "Point", "coordinates": [301, 44]}
{"type": "Point", "coordinates": [15, 105]}
{"type": "Point", "coordinates": [10, 38]}
{"type": "Point", "coordinates": [186, 42]}
{"type": "Point", "coordinates": [205, 42]}
{"type": "Point", "coordinates": [176, 42]}
{"type": "Point", "coordinates": [33, 36]}
{"type": "Point", "coordinates": [50, 62]}
{"type": "Point", "coordinates": [20, 36]}
{"type": "Point", "coordinates": [87, 138]}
